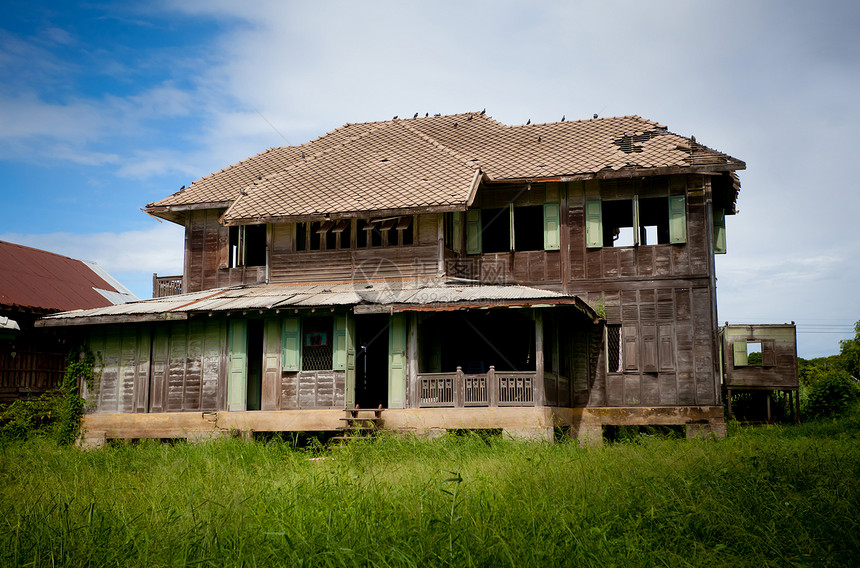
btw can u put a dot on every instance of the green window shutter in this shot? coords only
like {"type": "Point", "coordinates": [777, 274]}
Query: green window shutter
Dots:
{"type": "Point", "coordinates": [349, 394]}
{"type": "Point", "coordinates": [719, 231]}
{"type": "Point", "coordinates": [457, 231]}
{"type": "Point", "coordinates": [593, 224]}
{"type": "Point", "coordinates": [339, 345]}
{"type": "Point", "coordinates": [397, 361]}
{"type": "Point", "coordinates": [473, 231]}
{"type": "Point", "coordinates": [237, 382]}
{"type": "Point", "coordinates": [677, 219]}
{"type": "Point", "coordinates": [739, 353]}
{"type": "Point", "coordinates": [291, 357]}
{"type": "Point", "coordinates": [551, 230]}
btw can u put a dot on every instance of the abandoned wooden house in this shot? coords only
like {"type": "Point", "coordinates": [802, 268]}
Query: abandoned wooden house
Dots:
{"type": "Point", "coordinates": [34, 283]}
{"type": "Point", "coordinates": [448, 272]}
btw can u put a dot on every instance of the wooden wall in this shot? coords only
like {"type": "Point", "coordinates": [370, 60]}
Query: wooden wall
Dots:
{"type": "Point", "coordinates": [778, 369]}
{"type": "Point", "coordinates": [32, 361]}
{"type": "Point", "coordinates": [313, 389]}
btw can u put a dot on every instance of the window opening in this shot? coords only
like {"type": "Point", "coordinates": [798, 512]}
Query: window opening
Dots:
{"type": "Point", "coordinates": [315, 235]}
{"type": "Point", "coordinates": [254, 378]}
{"type": "Point", "coordinates": [342, 232]}
{"type": "Point", "coordinates": [301, 236]}
{"type": "Point", "coordinates": [754, 353]}
{"type": "Point", "coordinates": [528, 228]}
{"type": "Point", "coordinates": [618, 223]}
{"type": "Point", "coordinates": [317, 352]}
{"type": "Point", "coordinates": [654, 221]}
{"type": "Point", "coordinates": [361, 233]}
{"type": "Point", "coordinates": [247, 246]}
{"type": "Point", "coordinates": [613, 349]}
{"type": "Point", "coordinates": [404, 227]}
{"type": "Point", "coordinates": [496, 230]}
{"type": "Point", "coordinates": [389, 233]}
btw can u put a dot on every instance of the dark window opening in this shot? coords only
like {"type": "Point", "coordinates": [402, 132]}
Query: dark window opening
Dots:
{"type": "Point", "coordinates": [315, 235]}
{"type": "Point", "coordinates": [344, 229]}
{"type": "Point", "coordinates": [375, 234]}
{"type": "Point", "coordinates": [247, 246]}
{"type": "Point", "coordinates": [476, 340]}
{"type": "Point", "coordinates": [654, 221]}
{"type": "Point", "coordinates": [613, 349]}
{"type": "Point", "coordinates": [254, 392]}
{"type": "Point", "coordinates": [528, 228]}
{"type": "Point", "coordinates": [361, 234]}
{"type": "Point", "coordinates": [449, 232]}
{"type": "Point", "coordinates": [496, 230]}
{"type": "Point", "coordinates": [317, 351]}
{"type": "Point", "coordinates": [301, 236]}
{"type": "Point", "coordinates": [618, 223]}
{"type": "Point", "coordinates": [404, 227]}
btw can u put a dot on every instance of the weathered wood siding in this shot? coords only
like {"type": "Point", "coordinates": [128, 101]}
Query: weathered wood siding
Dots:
{"type": "Point", "coordinates": [206, 255]}
{"type": "Point", "coordinates": [778, 347]}
{"type": "Point", "coordinates": [313, 389]}
{"type": "Point", "coordinates": [168, 367]}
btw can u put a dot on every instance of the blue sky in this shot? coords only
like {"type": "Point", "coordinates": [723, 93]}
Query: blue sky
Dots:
{"type": "Point", "coordinates": [105, 107]}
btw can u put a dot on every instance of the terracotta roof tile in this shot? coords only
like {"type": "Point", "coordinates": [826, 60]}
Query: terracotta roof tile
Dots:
{"type": "Point", "coordinates": [432, 161]}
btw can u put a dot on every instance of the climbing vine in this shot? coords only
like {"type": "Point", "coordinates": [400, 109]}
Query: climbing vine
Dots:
{"type": "Point", "coordinates": [56, 414]}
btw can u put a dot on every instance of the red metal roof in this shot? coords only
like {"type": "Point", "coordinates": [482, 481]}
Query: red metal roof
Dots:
{"type": "Point", "coordinates": [33, 278]}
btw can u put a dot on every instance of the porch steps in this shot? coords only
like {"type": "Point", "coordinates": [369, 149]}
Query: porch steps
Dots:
{"type": "Point", "coordinates": [359, 422]}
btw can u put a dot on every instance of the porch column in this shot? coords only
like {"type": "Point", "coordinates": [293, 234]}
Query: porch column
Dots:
{"type": "Point", "coordinates": [538, 386]}
{"type": "Point", "coordinates": [413, 391]}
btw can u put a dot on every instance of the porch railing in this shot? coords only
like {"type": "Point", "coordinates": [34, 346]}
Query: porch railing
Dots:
{"type": "Point", "coordinates": [493, 388]}
{"type": "Point", "coordinates": [163, 286]}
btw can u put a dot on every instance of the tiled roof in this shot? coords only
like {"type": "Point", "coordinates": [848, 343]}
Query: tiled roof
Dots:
{"type": "Point", "coordinates": [37, 279]}
{"type": "Point", "coordinates": [433, 161]}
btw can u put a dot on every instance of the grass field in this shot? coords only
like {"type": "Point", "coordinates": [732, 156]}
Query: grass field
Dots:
{"type": "Point", "coordinates": [777, 496]}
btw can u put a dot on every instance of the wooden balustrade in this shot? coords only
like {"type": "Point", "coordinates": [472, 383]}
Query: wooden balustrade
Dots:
{"type": "Point", "coordinates": [493, 388]}
{"type": "Point", "coordinates": [163, 286]}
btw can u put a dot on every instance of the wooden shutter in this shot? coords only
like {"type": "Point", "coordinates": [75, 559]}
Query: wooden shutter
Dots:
{"type": "Point", "coordinates": [677, 219]}
{"type": "Point", "coordinates": [397, 361]}
{"type": "Point", "coordinates": [593, 224]}
{"type": "Point", "coordinates": [141, 379]}
{"type": "Point", "coordinates": [339, 344]}
{"type": "Point", "coordinates": [349, 387]}
{"type": "Point", "coordinates": [159, 366]}
{"type": "Point", "coordinates": [291, 352]}
{"type": "Point", "coordinates": [649, 348]}
{"type": "Point", "coordinates": [739, 353]}
{"type": "Point", "coordinates": [719, 231]}
{"type": "Point", "coordinates": [551, 231]}
{"type": "Point", "coordinates": [768, 354]}
{"type": "Point", "coordinates": [473, 231]}
{"type": "Point", "coordinates": [271, 391]}
{"type": "Point", "coordinates": [666, 336]}
{"type": "Point", "coordinates": [457, 231]}
{"type": "Point", "coordinates": [237, 383]}
{"type": "Point", "coordinates": [630, 351]}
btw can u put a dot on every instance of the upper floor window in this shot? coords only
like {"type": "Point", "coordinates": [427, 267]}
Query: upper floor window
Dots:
{"type": "Point", "coordinates": [637, 221]}
{"type": "Point", "coordinates": [247, 246]}
{"type": "Point", "coordinates": [337, 235]}
{"type": "Point", "coordinates": [534, 227]}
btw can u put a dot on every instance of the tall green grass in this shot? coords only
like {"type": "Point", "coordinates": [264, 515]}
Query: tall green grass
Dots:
{"type": "Point", "coordinates": [777, 496]}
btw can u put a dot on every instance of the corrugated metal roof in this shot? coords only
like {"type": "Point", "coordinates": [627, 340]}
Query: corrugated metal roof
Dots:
{"type": "Point", "coordinates": [37, 279]}
{"type": "Point", "coordinates": [384, 295]}
{"type": "Point", "coordinates": [432, 162]}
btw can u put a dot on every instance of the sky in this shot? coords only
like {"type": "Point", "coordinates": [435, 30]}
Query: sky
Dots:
{"type": "Point", "coordinates": [108, 106]}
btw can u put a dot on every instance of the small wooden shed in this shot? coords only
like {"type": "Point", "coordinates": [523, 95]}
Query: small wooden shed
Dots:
{"type": "Point", "coordinates": [760, 357]}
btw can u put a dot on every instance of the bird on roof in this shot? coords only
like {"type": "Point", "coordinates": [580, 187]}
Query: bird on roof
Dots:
{"type": "Point", "coordinates": [395, 117]}
{"type": "Point", "coordinates": [529, 121]}
{"type": "Point", "coordinates": [303, 154]}
{"type": "Point", "coordinates": [455, 125]}
{"type": "Point", "coordinates": [562, 118]}
{"type": "Point", "coordinates": [538, 138]}
{"type": "Point", "coordinates": [483, 112]}
{"type": "Point", "coordinates": [692, 138]}
{"type": "Point", "coordinates": [416, 115]}
{"type": "Point", "coordinates": [181, 188]}
{"type": "Point", "coordinates": [595, 115]}
{"type": "Point", "coordinates": [243, 192]}
{"type": "Point", "coordinates": [438, 114]}
{"type": "Point", "coordinates": [426, 114]}
{"type": "Point", "coordinates": [469, 118]}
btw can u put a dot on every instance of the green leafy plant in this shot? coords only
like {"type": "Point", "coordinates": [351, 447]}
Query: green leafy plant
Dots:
{"type": "Point", "coordinates": [57, 414]}
{"type": "Point", "coordinates": [832, 394]}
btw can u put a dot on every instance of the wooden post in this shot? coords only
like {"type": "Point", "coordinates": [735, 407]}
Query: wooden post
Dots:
{"type": "Point", "coordinates": [729, 402]}
{"type": "Point", "coordinates": [539, 362]}
{"type": "Point", "coordinates": [413, 394]}
{"type": "Point", "coordinates": [768, 407]}
{"type": "Point", "coordinates": [458, 388]}
{"type": "Point", "coordinates": [492, 387]}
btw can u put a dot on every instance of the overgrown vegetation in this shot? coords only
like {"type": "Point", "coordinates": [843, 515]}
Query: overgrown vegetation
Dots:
{"type": "Point", "coordinates": [56, 415]}
{"type": "Point", "coordinates": [775, 496]}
